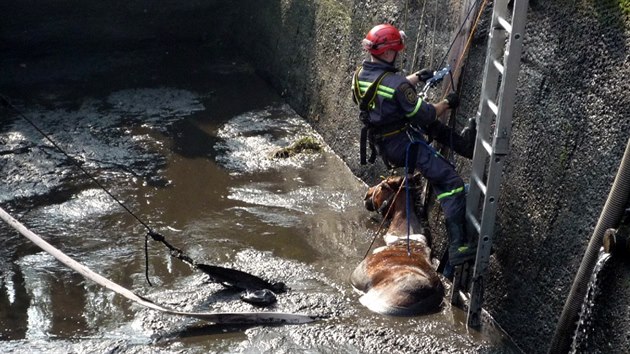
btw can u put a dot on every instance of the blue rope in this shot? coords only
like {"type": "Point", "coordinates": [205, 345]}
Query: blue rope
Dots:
{"type": "Point", "coordinates": [408, 200]}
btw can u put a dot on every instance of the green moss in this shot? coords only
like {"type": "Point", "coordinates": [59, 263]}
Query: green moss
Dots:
{"type": "Point", "coordinates": [306, 144]}
{"type": "Point", "coordinates": [335, 8]}
{"type": "Point", "coordinates": [333, 12]}
{"type": "Point", "coordinates": [624, 6]}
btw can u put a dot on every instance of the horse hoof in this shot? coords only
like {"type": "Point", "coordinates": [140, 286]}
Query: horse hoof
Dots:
{"type": "Point", "coordinates": [263, 297]}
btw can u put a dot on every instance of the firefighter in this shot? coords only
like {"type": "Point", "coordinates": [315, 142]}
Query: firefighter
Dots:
{"type": "Point", "coordinates": [394, 118]}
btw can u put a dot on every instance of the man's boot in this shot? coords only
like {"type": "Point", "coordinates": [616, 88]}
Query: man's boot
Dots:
{"type": "Point", "coordinates": [460, 250]}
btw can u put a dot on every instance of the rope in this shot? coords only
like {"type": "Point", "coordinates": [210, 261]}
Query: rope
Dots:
{"type": "Point", "coordinates": [408, 201]}
{"type": "Point", "coordinates": [457, 33]}
{"type": "Point", "coordinates": [433, 34]}
{"type": "Point", "coordinates": [415, 49]}
{"type": "Point", "coordinates": [175, 252]}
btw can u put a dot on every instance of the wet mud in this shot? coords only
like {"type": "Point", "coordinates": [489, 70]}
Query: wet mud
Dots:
{"type": "Point", "coordinates": [185, 141]}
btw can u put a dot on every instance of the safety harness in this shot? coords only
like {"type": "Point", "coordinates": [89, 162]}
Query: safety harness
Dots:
{"type": "Point", "coordinates": [366, 101]}
{"type": "Point", "coordinates": [371, 133]}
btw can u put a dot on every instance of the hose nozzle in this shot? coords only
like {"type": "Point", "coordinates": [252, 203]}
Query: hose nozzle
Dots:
{"type": "Point", "coordinates": [616, 243]}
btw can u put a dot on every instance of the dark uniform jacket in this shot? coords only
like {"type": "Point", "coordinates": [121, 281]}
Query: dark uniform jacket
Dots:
{"type": "Point", "coordinates": [397, 99]}
{"type": "Point", "coordinates": [395, 106]}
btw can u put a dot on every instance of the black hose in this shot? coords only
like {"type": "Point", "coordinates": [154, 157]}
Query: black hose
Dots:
{"type": "Point", "coordinates": [609, 218]}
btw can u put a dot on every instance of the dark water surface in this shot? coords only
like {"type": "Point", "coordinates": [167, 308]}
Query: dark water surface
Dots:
{"type": "Point", "coordinates": [184, 140]}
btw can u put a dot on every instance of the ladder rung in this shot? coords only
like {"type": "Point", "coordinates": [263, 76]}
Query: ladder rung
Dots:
{"type": "Point", "coordinates": [493, 107]}
{"type": "Point", "coordinates": [498, 66]}
{"type": "Point", "coordinates": [480, 183]}
{"type": "Point", "coordinates": [487, 146]}
{"type": "Point", "coordinates": [473, 221]}
{"type": "Point", "coordinates": [505, 24]}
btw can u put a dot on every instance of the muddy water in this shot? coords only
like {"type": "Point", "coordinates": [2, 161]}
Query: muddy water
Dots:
{"type": "Point", "coordinates": [184, 141]}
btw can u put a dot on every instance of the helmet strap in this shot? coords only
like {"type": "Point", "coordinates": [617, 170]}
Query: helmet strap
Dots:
{"type": "Point", "coordinates": [385, 61]}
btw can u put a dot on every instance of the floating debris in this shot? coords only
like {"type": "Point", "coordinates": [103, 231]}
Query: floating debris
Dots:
{"type": "Point", "coordinates": [308, 144]}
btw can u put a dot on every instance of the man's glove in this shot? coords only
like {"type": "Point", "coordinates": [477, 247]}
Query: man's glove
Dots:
{"type": "Point", "coordinates": [424, 74]}
{"type": "Point", "coordinates": [463, 144]}
{"type": "Point", "coordinates": [453, 100]}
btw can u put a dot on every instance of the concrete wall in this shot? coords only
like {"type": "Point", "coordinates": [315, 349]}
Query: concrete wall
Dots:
{"type": "Point", "coordinates": [310, 49]}
{"type": "Point", "coordinates": [571, 120]}
{"type": "Point", "coordinates": [571, 124]}
{"type": "Point", "coordinates": [47, 26]}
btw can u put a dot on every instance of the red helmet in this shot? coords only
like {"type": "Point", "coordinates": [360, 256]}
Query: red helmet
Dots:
{"type": "Point", "coordinates": [383, 37]}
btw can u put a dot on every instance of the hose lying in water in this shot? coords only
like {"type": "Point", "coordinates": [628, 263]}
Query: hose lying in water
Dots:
{"type": "Point", "coordinates": [217, 318]}
{"type": "Point", "coordinates": [609, 218]}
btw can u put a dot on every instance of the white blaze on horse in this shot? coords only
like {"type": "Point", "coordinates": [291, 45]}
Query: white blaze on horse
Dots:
{"type": "Point", "coordinates": [393, 281]}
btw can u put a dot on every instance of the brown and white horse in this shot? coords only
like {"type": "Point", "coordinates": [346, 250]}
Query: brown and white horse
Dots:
{"type": "Point", "coordinates": [394, 282]}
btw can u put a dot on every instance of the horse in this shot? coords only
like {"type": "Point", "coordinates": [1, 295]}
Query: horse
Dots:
{"type": "Point", "coordinates": [396, 280]}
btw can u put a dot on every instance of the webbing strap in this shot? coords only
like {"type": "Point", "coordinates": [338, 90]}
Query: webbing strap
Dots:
{"type": "Point", "coordinates": [363, 146]}
{"type": "Point", "coordinates": [365, 100]}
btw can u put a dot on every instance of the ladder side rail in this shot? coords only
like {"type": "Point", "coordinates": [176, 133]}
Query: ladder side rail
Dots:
{"type": "Point", "coordinates": [489, 89]}
{"type": "Point", "coordinates": [500, 146]}
{"type": "Point", "coordinates": [512, 62]}
{"type": "Point", "coordinates": [484, 245]}
{"type": "Point", "coordinates": [474, 192]}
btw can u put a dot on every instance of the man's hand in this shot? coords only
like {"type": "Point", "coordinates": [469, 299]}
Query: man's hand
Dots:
{"type": "Point", "coordinates": [453, 100]}
{"type": "Point", "coordinates": [424, 74]}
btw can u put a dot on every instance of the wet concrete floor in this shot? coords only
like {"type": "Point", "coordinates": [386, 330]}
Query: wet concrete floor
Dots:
{"type": "Point", "coordinates": [184, 140]}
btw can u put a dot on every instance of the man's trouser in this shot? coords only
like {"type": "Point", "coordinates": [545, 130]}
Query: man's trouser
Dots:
{"type": "Point", "coordinates": [447, 184]}
{"type": "Point", "coordinates": [441, 174]}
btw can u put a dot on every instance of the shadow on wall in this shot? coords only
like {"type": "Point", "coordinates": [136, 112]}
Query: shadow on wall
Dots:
{"type": "Point", "coordinates": [41, 27]}
{"type": "Point", "coordinates": [277, 37]}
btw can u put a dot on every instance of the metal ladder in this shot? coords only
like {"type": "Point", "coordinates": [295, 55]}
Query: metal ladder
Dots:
{"type": "Point", "coordinates": [494, 125]}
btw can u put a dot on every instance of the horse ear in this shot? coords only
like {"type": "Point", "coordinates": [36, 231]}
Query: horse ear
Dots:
{"type": "Point", "coordinates": [394, 182]}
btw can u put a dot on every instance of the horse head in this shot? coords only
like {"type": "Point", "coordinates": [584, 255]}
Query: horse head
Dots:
{"type": "Point", "coordinates": [379, 197]}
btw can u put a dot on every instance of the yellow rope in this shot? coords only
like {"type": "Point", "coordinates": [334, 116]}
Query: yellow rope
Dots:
{"type": "Point", "coordinates": [467, 46]}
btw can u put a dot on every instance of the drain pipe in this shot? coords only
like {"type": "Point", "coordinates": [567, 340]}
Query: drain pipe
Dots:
{"type": "Point", "coordinates": [609, 218]}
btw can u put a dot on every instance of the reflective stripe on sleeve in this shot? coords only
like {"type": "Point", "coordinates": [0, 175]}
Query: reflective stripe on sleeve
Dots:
{"type": "Point", "coordinates": [415, 110]}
